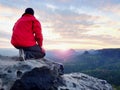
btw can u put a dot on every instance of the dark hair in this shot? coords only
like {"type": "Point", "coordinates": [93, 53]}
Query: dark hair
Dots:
{"type": "Point", "coordinates": [29, 11]}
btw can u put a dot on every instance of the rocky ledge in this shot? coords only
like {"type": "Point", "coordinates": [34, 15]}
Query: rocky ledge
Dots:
{"type": "Point", "coordinates": [43, 74]}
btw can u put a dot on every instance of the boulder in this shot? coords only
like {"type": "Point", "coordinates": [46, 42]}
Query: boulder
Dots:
{"type": "Point", "coordinates": [42, 74]}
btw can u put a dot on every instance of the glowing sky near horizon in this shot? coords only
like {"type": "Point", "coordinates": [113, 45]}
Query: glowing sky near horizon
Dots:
{"type": "Point", "coordinates": [76, 24]}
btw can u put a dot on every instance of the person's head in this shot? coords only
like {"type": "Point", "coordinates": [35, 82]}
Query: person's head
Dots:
{"type": "Point", "coordinates": [29, 11]}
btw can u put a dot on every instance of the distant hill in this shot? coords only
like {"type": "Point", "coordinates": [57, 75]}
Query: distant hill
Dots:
{"type": "Point", "coordinates": [63, 56]}
{"type": "Point", "coordinates": [103, 63]}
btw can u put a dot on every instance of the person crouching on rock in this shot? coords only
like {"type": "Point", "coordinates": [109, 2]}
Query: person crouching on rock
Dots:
{"type": "Point", "coordinates": [27, 36]}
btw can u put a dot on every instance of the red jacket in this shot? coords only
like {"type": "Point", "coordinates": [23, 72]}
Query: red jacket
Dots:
{"type": "Point", "coordinates": [27, 32]}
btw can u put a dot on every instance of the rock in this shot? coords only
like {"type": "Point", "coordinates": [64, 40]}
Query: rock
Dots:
{"type": "Point", "coordinates": [12, 70]}
{"type": "Point", "coordinates": [80, 81]}
{"type": "Point", "coordinates": [37, 79]}
{"type": "Point", "coordinates": [0, 83]}
{"type": "Point", "coordinates": [44, 75]}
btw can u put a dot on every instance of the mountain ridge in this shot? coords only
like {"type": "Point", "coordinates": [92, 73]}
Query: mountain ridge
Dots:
{"type": "Point", "coordinates": [103, 63]}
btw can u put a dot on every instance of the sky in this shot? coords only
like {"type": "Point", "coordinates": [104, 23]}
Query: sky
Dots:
{"type": "Point", "coordinates": [66, 24]}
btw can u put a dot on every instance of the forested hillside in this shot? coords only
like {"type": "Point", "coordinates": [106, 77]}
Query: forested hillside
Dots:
{"type": "Point", "coordinates": [104, 64]}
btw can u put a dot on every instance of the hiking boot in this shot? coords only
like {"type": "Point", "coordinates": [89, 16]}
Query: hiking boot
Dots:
{"type": "Point", "coordinates": [21, 55]}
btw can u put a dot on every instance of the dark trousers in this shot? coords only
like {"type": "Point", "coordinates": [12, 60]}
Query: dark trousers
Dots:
{"type": "Point", "coordinates": [32, 52]}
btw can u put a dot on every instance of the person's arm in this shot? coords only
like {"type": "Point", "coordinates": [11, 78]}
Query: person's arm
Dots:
{"type": "Point", "coordinates": [38, 32]}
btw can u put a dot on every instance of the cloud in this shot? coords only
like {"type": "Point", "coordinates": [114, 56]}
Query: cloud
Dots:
{"type": "Point", "coordinates": [4, 39]}
{"type": "Point", "coordinates": [12, 3]}
{"type": "Point", "coordinates": [104, 39]}
{"type": "Point", "coordinates": [72, 26]}
{"type": "Point", "coordinates": [64, 0]}
{"type": "Point", "coordinates": [53, 7]}
{"type": "Point", "coordinates": [4, 35]}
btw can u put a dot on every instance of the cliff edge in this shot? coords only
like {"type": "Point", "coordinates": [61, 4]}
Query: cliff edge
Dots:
{"type": "Point", "coordinates": [43, 74]}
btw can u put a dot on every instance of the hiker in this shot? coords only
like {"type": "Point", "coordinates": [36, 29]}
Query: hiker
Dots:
{"type": "Point", "coordinates": [27, 36]}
